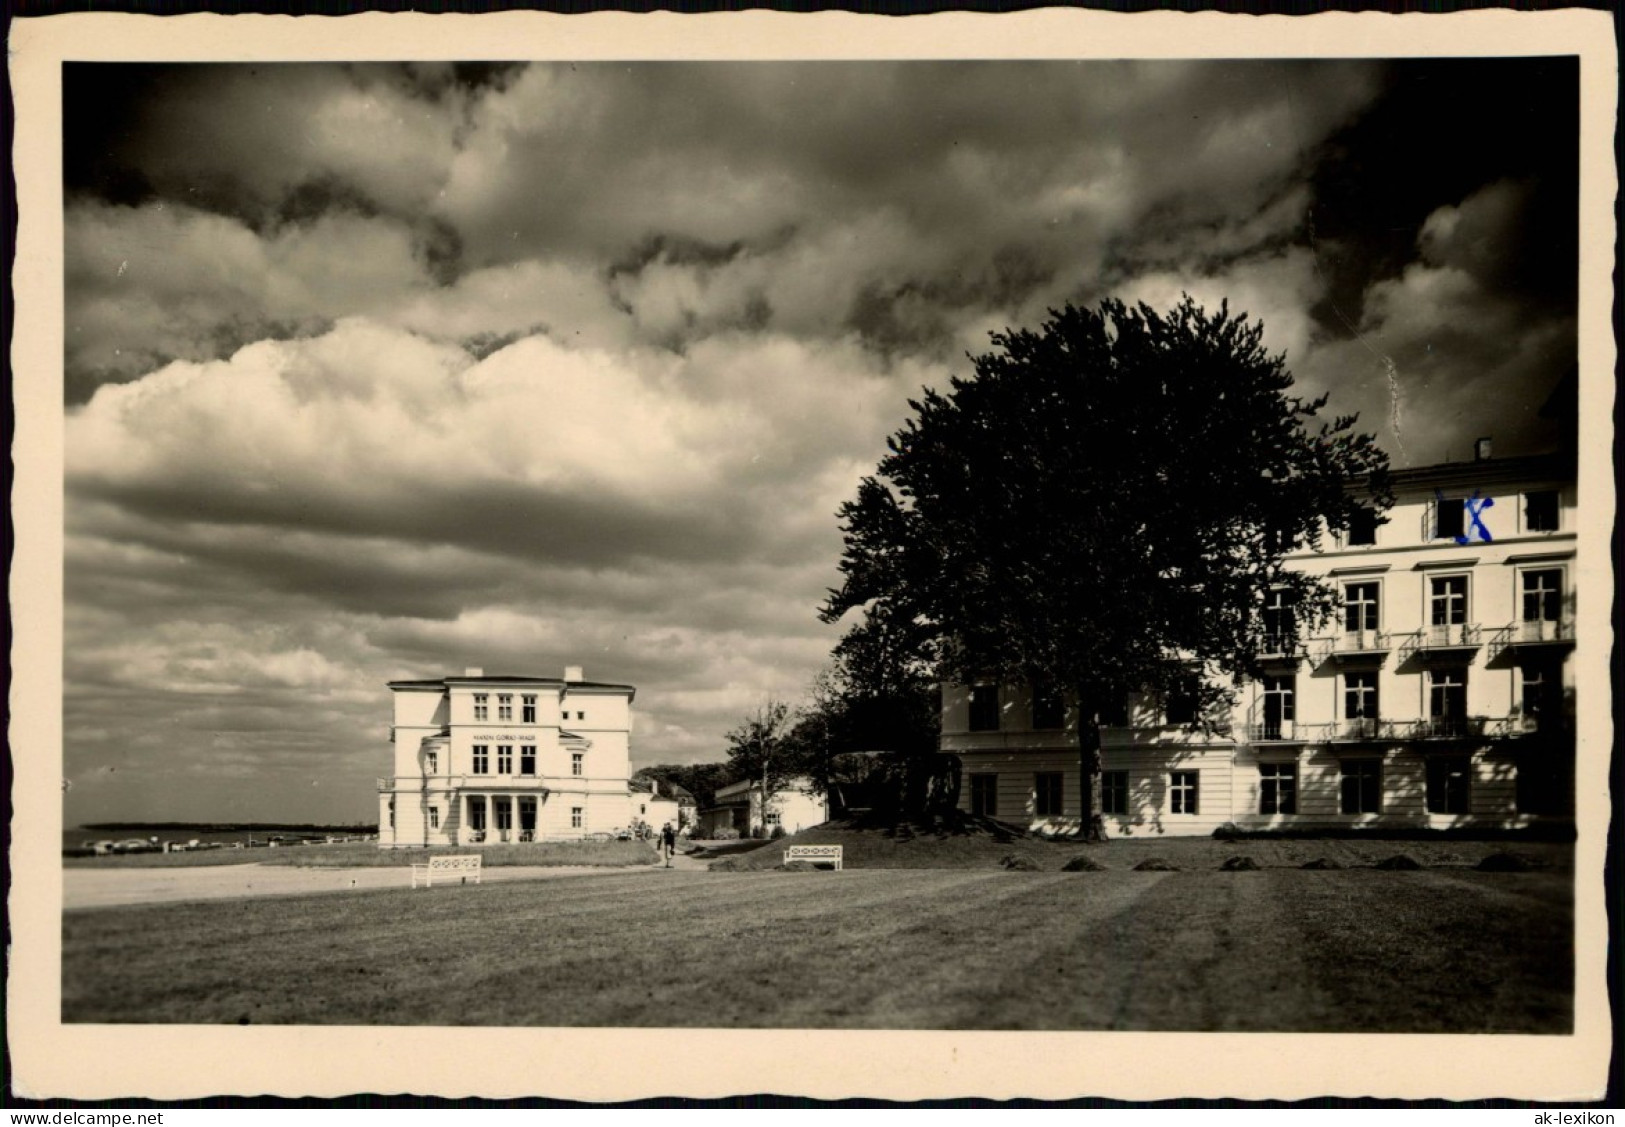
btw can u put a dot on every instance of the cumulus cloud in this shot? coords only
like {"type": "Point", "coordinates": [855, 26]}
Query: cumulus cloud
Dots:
{"type": "Point", "coordinates": [1467, 357]}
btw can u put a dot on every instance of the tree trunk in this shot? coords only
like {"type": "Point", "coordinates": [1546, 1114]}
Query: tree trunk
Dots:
{"type": "Point", "coordinates": [1092, 825]}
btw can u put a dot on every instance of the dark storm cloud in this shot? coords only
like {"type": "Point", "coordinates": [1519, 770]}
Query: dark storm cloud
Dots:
{"type": "Point", "coordinates": [1443, 129]}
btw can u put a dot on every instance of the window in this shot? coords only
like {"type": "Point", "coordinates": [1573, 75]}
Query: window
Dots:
{"type": "Point", "coordinates": [1180, 705]}
{"type": "Point", "coordinates": [1114, 792]}
{"type": "Point", "coordinates": [1280, 623]}
{"type": "Point", "coordinates": [581, 716]}
{"type": "Point", "coordinates": [1447, 701]}
{"type": "Point", "coordinates": [564, 716]}
{"type": "Point", "coordinates": [1048, 707]}
{"type": "Point", "coordinates": [476, 815]}
{"type": "Point", "coordinates": [431, 762]}
{"type": "Point", "coordinates": [1540, 511]}
{"type": "Point", "coordinates": [1540, 694]}
{"type": "Point", "coordinates": [773, 818]}
{"type": "Point", "coordinates": [1047, 794]}
{"type": "Point", "coordinates": [1449, 518]}
{"type": "Point", "coordinates": [578, 763]}
{"type": "Point", "coordinates": [1543, 788]}
{"type": "Point", "coordinates": [505, 759]}
{"type": "Point", "coordinates": [984, 708]}
{"type": "Point", "coordinates": [504, 706]}
{"type": "Point", "coordinates": [482, 759]}
{"type": "Point", "coordinates": [1543, 595]}
{"type": "Point", "coordinates": [1362, 786]}
{"type": "Point", "coordinates": [1360, 698]}
{"type": "Point", "coordinates": [1280, 706]}
{"type": "Point", "coordinates": [1363, 526]}
{"type": "Point", "coordinates": [527, 759]}
{"type": "Point", "coordinates": [1360, 607]}
{"type": "Point", "coordinates": [1182, 792]}
{"type": "Point", "coordinates": [984, 795]}
{"type": "Point", "coordinates": [1448, 778]}
{"type": "Point", "coordinates": [1114, 713]}
{"type": "Point", "coordinates": [503, 809]}
{"type": "Point", "coordinates": [528, 707]}
{"type": "Point", "coordinates": [578, 817]}
{"type": "Point", "coordinates": [481, 709]}
{"type": "Point", "coordinates": [1277, 788]}
{"type": "Point", "coordinates": [1449, 600]}
{"type": "Point", "coordinates": [434, 817]}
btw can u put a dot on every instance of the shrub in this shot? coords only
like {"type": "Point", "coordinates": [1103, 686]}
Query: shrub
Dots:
{"type": "Point", "coordinates": [798, 867]}
{"type": "Point", "coordinates": [1018, 864]}
{"type": "Point", "coordinates": [1322, 863]}
{"type": "Point", "coordinates": [1399, 862]}
{"type": "Point", "coordinates": [1239, 865]}
{"type": "Point", "coordinates": [726, 833]}
{"type": "Point", "coordinates": [1227, 832]}
{"type": "Point", "coordinates": [1083, 865]}
{"type": "Point", "coordinates": [1504, 863]}
{"type": "Point", "coordinates": [1155, 865]}
{"type": "Point", "coordinates": [778, 832]}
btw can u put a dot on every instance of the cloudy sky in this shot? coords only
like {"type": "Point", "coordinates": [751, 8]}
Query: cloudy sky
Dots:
{"type": "Point", "coordinates": [379, 372]}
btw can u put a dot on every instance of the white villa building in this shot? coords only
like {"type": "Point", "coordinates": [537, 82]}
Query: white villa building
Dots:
{"type": "Point", "coordinates": [1440, 696]}
{"type": "Point", "coordinates": [483, 760]}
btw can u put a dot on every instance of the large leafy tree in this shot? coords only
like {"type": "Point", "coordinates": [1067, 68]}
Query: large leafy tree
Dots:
{"type": "Point", "coordinates": [868, 734]}
{"type": "Point", "coordinates": [760, 748]}
{"type": "Point", "coordinates": [1106, 505]}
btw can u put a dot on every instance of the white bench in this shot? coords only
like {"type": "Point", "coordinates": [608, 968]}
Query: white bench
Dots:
{"type": "Point", "coordinates": [463, 866]}
{"type": "Point", "coordinates": [816, 854]}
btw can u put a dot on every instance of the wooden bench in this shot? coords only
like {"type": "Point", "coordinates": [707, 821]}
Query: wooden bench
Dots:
{"type": "Point", "coordinates": [463, 866]}
{"type": "Point", "coordinates": [815, 854]}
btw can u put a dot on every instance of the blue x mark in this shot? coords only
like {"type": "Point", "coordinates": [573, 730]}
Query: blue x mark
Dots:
{"type": "Point", "coordinates": [1475, 506]}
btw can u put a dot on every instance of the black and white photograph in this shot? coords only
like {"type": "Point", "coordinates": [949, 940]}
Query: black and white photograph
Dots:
{"type": "Point", "coordinates": [998, 544]}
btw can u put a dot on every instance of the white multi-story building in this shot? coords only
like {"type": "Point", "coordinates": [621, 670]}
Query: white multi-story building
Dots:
{"type": "Point", "coordinates": [1440, 696]}
{"type": "Point", "coordinates": [483, 760]}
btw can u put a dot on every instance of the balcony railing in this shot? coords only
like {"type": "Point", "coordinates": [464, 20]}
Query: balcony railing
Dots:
{"type": "Point", "coordinates": [1281, 646]}
{"type": "Point", "coordinates": [1459, 636]}
{"type": "Point", "coordinates": [525, 783]}
{"type": "Point", "coordinates": [1450, 728]}
{"type": "Point", "coordinates": [1521, 724]}
{"type": "Point", "coordinates": [1279, 731]}
{"type": "Point", "coordinates": [1370, 730]}
{"type": "Point", "coordinates": [1541, 632]}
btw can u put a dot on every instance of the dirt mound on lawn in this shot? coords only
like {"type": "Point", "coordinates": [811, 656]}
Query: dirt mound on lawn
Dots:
{"type": "Point", "coordinates": [955, 841]}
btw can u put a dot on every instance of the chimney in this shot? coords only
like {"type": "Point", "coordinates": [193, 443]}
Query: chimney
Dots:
{"type": "Point", "coordinates": [572, 674]}
{"type": "Point", "coordinates": [1481, 450]}
{"type": "Point", "coordinates": [473, 671]}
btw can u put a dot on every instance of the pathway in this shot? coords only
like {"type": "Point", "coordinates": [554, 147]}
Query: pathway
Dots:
{"type": "Point", "coordinates": [103, 888]}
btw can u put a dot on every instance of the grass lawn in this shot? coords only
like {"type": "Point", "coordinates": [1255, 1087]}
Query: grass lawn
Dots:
{"type": "Point", "coordinates": [367, 855]}
{"type": "Point", "coordinates": [1282, 949]}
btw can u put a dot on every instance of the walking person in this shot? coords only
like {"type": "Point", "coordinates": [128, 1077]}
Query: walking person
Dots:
{"type": "Point", "coordinates": [668, 843]}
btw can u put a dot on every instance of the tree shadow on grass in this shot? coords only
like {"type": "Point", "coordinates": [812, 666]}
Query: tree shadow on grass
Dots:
{"type": "Point", "coordinates": [939, 825]}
